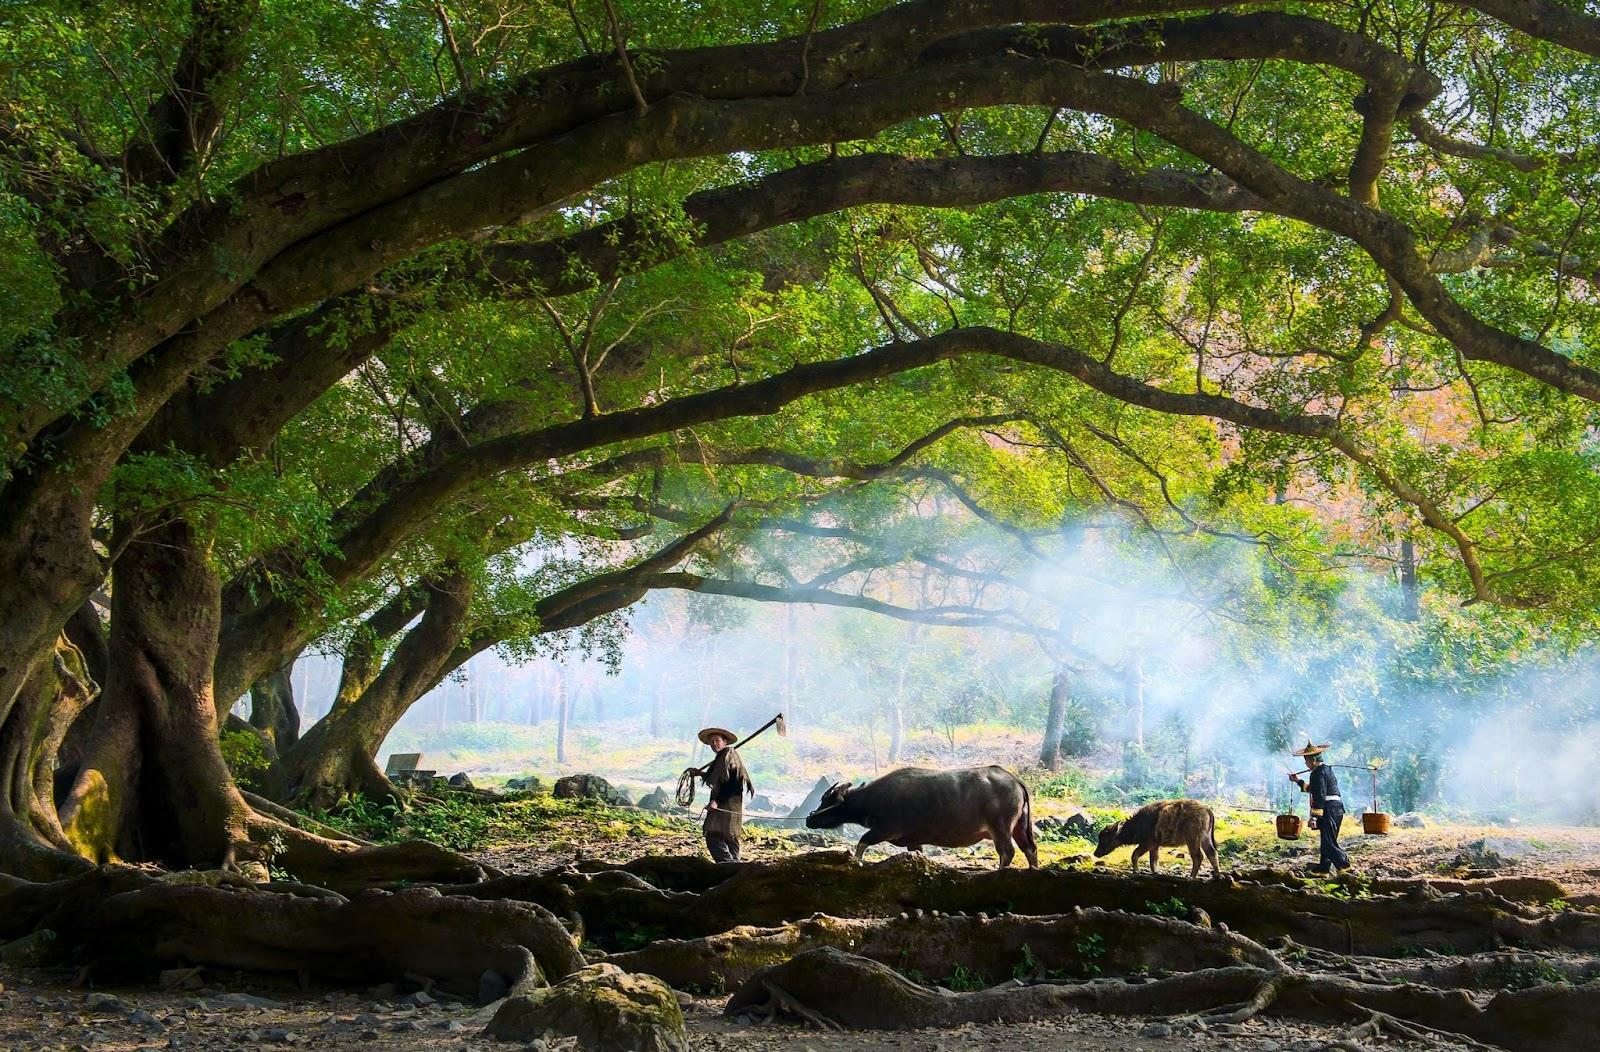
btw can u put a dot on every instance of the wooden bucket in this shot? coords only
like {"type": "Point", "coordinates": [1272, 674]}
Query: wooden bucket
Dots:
{"type": "Point", "coordinates": [1375, 823]}
{"type": "Point", "coordinates": [1288, 827]}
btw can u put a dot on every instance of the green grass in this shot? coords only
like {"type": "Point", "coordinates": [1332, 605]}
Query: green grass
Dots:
{"type": "Point", "coordinates": [466, 821]}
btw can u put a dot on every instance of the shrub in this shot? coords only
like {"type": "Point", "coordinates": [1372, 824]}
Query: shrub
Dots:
{"type": "Point", "coordinates": [246, 756]}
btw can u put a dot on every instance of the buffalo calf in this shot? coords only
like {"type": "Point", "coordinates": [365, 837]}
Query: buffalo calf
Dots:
{"type": "Point", "coordinates": [1165, 823]}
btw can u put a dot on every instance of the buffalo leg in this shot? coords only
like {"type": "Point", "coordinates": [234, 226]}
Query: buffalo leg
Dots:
{"type": "Point", "coordinates": [1211, 856]}
{"type": "Point", "coordinates": [1003, 845]}
{"type": "Point", "coordinates": [1133, 863]}
{"type": "Point", "coordinates": [1155, 852]}
{"type": "Point", "coordinates": [867, 840]}
{"type": "Point", "coordinates": [1196, 853]}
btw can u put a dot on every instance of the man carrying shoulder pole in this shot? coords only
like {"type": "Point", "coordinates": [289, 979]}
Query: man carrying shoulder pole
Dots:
{"type": "Point", "coordinates": [1327, 808]}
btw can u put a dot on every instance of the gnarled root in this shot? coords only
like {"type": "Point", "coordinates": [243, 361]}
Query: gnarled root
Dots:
{"type": "Point", "coordinates": [770, 894]}
{"type": "Point", "coordinates": [1078, 943]}
{"type": "Point", "coordinates": [350, 866]}
{"type": "Point", "coordinates": [859, 993]}
{"type": "Point", "coordinates": [129, 922]}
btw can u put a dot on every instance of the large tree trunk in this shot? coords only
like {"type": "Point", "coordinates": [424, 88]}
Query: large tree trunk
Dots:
{"type": "Point", "coordinates": [272, 707]}
{"type": "Point", "coordinates": [1410, 594]}
{"type": "Point", "coordinates": [32, 841]}
{"type": "Point", "coordinates": [153, 784]}
{"type": "Point", "coordinates": [1133, 695]}
{"type": "Point", "coordinates": [336, 757]}
{"type": "Point", "coordinates": [1055, 721]}
{"type": "Point", "coordinates": [48, 568]}
{"type": "Point", "coordinates": [562, 703]}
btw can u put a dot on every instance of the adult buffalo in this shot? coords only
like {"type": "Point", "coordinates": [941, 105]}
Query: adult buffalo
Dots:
{"type": "Point", "coordinates": [913, 806]}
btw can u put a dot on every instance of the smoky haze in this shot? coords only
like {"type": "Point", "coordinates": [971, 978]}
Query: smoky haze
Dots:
{"type": "Point", "coordinates": [1166, 695]}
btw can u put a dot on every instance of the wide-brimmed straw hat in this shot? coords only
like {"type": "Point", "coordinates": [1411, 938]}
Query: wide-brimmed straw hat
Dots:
{"type": "Point", "coordinates": [1309, 750]}
{"type": "Point", "coordinates": [705, 735]}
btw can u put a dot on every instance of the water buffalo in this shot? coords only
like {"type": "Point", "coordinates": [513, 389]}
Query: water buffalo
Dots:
{"type": "Point", "coordinates": [913, 806]}
{"type": "Point", "coordinates": [1165, 823]}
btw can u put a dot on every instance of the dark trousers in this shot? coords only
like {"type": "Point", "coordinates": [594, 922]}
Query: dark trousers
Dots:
{"type": "Point", "coordinates": [722, 848]}
{"type": "Point", "coordinates": [1328, 827]}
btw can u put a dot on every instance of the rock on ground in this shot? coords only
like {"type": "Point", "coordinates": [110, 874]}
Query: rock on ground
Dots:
{"type": "Point", "coordinates": [814, 797]}
{"type": "Point", "coordinates": [603, 1007]}
{"type": "Point", "coordinates": [589, 785]}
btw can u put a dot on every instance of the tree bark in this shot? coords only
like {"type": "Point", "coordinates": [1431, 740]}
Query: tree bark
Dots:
{"type": "Point", "coordinates": [1410, 595]}
{"type": "Point", "coordinates": [1133, 696]}
{"type": "Point", "coordinates": [561, 715]}
{"type": "Point", "coordinates": [272, 707]}
{"type": "Point", "coordinates": [337, 756]}
{"type": "Point", "coordinates": [1055, 720]}
{"type": "Point", "coordinates": [153, 784]}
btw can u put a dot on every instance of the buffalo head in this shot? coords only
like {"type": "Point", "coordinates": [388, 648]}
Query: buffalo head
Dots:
{"type": "Point", "coordinates": [828, 815]}
{"type": "Point", "coordinates": [1109, 837]}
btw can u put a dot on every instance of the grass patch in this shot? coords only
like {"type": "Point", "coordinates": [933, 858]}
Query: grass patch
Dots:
{"type": "Point", "coordinates": [469, 821]}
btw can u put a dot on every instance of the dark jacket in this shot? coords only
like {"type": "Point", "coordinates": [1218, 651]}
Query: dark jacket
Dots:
{"type": "Point", "coordinates": [728, 782]}
{"type": "Point", "coordinates": [1321, 785]}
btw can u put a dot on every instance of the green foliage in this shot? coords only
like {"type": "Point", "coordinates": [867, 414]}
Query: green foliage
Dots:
{"type": "Point", "coordinates": [1524, 974]}
{"type": "Point", "coordinates": [246, 756]}
{"type": "Point", "coordinates": [1091, 950]}
{"type": "Point", "coordinates": [1173, 907]}
{"type": "Point", "coordinates": [961, 979]}
{"type": "Point", "coordinates": [638, 938]}
{"type": "Point", "coordinates": [1026, 966]}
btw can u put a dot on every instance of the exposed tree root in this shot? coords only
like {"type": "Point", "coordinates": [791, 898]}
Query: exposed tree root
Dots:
{"type": "Point", "coordinates": [129, 922]}
{"type": "Point", "coordinates": [616, 901]}
{"type": "Point", "coordinates": [272, 809]}
{"type": "Point", "coordinates": [1082, 942]}
{"type": "Point", "coordinates": [1513, 969]}
{"type": "Point", "coordinates": [1534, 890]}
{"type": "Point", "coordinates": [859, 993]}
{"type": "Point", "coordinates": [349, 866]}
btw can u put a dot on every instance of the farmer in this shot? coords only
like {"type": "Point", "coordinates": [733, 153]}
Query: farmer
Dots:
{"type": "Point", "coordinates": [728, 783]}
{"type": "Point", "coordinates": [1327, 809]}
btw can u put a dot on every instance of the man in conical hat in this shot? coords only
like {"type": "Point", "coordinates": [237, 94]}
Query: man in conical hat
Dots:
{"type": "Point", "coordinates": [1327, 808]}
{"type": "Point", "coordinates": [728, 782]}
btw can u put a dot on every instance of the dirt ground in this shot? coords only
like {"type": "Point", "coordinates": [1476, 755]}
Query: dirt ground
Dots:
{"type": "Point", "coordinates": [44, 1010]}
{"type": "Point", "coordinates": [40, 1013]}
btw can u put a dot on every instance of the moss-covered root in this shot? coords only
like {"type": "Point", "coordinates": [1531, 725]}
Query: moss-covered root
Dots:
{"type": "Point", "coordinates": [856, 993]}
{"type": "Point", "coordinates": [970, 949]}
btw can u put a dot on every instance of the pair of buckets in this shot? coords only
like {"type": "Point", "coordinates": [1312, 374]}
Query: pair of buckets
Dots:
{"type": "Point", "coordinates": [1373, 823]}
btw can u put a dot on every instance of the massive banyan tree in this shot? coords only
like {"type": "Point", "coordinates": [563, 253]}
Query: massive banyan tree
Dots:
{"type": "Point", "coordinates": [1308, 229]}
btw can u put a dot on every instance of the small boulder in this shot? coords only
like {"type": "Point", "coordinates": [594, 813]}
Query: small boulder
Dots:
{"type": "Point", "coordinates": [460, 781]}
{"type": "Point", "coordinates": [592, 786]}
{"type": "Point", "coordinates": [1079, 824]}
{"type": "Point", "coordinates": [814, 797]}
{"type": "Point", "coordinates": [605, 1008]}
{"type": "Point", "coordinates": [1410, 820]}
{"type": "Point", "coordinates": [656, 800]}
{"type": "Point", "coordinates": [529, 784]}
